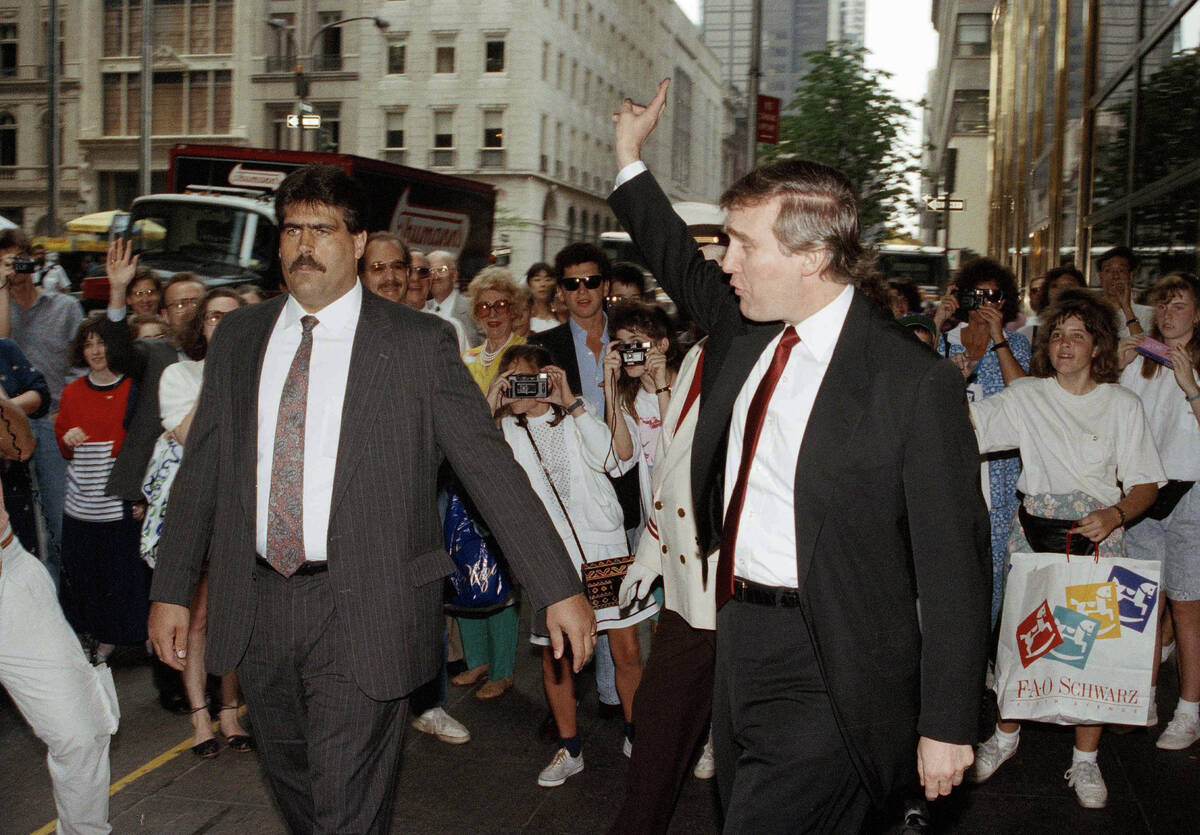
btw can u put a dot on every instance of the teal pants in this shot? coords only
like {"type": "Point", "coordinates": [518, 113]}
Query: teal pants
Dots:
{"type": "Point", "coordinates": [491, 640]}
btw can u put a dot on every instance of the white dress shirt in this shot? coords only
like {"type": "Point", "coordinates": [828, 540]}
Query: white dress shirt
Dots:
{"type": "Point", "coordinates": [333, 338]}
{"type": "Point", "coordinates": [445, 310]}
{"type": "Point", "coordinates": [765, 551]}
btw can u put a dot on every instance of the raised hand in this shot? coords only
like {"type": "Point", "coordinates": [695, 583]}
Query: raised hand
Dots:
{"type": "Point", "coordinates": [635, 123]}
{"type": "Point", "coordinates": [1185, 376]}
{"type": "Point", "coordinates": [121, 264]}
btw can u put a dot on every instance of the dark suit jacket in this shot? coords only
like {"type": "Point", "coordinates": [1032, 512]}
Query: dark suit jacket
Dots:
{"type": "Point", "coordinates": [410, 404]}
{"type": "Point", "coordinates": [144, 361]}
{"type": "Point", "coordinates": [887, 499]}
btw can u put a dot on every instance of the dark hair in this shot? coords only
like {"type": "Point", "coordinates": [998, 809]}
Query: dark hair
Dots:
{"type": "Point", "coordinates": [1118, 252]}
{"type": "Point", "coordinates": [244, 290]}
{"type": "Point", "coordinates": [324, 184]}
{"type": "Point", "coordinates": [390, 237]}
{"type": "Point", "coordinates": [907, 288]}
{"type": "Point", "coordinates": [539, 357]}
{"type": "Point", "coordinates": [179, 278]}
{"type": "Point", "coordinates": [146, 274]}
{"type": "Point", "coordinates": [14, 239]}
{"type": "Point", "coordinates": [539, 267]}
{"type": "Point", "coordinates": [93, 324]}
{"type": "Point", "coordinates": [626, 272]}
{"type": "Point", "coordinates": [1054, 275]}
{"type": "Point", "coordinates": [1099, 319]}
{"type": "Point", "coordinates": [581, 253]}
{"type": "Point", "coordinates": [817, 210]}
{"type": "Point", "coordinates": [654, 322]}
{"type": "Point", "coordinates": [191, 340]}
{"type": "Point", "coordinates": [136, 321]}
{"type": "Point", "coordinates": [978, 270]}
{"type": "Point", "coordinates": [1167, 288]}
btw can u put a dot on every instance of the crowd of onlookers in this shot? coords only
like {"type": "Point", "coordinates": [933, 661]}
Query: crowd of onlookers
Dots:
{"type": "Point", "coordinates": [579, 364]}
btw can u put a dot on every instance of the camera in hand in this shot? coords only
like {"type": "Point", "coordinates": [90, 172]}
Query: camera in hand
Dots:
{"type": "Point", "coordinates": [1155, 350]}
{"type": "Point", "coordinates": [536, 386]}
{"type": "Point", "coordinates": [975, 299]}
{"type": "Point", "coordinates": [633, 353]}
{"type": "Point", "coordinates": [24, 264]}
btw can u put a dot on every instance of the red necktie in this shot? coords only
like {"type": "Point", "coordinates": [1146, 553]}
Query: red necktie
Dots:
{"type": "Point", "coordinates": [285, 502]}
{"type": "Point", "coordinates": [754, 421]}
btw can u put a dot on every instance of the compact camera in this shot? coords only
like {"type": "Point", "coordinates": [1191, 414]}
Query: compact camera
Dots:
{"type": "Point", "coordinates": [633, 353]}
{"type": "Point", "coordinates": [24, 265]}
{"type": "Point", "coordinates": [975, 299]}
{"type": "Point", "coordinates": [536, 386]}
{"type": "Point", "coordinates": [1155, 350]}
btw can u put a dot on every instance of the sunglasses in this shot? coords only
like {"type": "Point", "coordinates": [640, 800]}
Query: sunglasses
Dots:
{"type": "Point", "coordinates": [379, 267]}
{"type": "Point", "coordinates": [420, 272]}
{"type": "Point", "coordinates": [591, 282]}
{"type": "Point", "coordinates": [484, 308]}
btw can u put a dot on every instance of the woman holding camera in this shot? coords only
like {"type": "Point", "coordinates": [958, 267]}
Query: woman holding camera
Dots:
{"type": "Point", "coordinates": [1088, 456]}
{"type": "Point", "coordinates": [1168, 384]}
{"type": "Point", "coordinates": [567, 454]}
{"type": "Point", "coordinates": [990, 358]}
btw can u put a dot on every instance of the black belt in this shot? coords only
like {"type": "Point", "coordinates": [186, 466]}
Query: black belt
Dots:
{"type": "Point", "coordinates": [760, 595]}
{"type": "Point", "coordinates": [306, 569]}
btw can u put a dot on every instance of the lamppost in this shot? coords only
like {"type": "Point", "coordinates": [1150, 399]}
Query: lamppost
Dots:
{"type": "Point", "coordinates": [301, 81]}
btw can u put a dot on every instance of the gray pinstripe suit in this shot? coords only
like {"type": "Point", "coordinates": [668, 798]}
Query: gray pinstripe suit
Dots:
{"type": "Point", "coordinates": [376, 612]}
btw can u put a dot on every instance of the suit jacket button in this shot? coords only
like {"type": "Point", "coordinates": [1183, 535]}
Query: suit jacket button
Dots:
{"type": "Point", "coordinates": [658, 505]}
{"type": "Point", "coordinates": [681, 513]}
{"type": "Point", "coordinates": [664, 549]}
{"type": "Point", "coordinates": [682, 561]}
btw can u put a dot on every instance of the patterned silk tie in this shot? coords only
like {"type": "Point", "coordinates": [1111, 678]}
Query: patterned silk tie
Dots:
{"type": "Point", "coordinates": [285, 505]}
{"type": "Point", "coordinates": [754, 422]}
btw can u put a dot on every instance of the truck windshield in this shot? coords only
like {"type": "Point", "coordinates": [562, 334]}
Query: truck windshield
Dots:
{"type": "Point", "coordinates": [201, 237]}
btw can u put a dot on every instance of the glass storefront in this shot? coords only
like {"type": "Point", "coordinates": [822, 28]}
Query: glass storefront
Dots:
{"type": "Point", "coordinates": [1094, 144]}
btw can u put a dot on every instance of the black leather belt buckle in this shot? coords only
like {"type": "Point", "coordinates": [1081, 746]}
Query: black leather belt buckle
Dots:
{"type": "Point", "coordinates": [760, 595]}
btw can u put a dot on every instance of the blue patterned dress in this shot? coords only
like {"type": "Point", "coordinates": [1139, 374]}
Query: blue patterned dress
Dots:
{"type": "Point", "coordinates": [1003, 468]}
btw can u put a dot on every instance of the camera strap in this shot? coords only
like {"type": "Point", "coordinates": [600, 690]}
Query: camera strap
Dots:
{"type": "Point", "coordinates": [554, 490]}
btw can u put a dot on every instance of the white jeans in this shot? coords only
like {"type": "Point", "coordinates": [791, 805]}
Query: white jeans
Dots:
{"type": "Point", "coordinates": [71, 705]}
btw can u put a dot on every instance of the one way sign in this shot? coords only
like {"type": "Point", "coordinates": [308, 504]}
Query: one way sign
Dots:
{"type": "Point", "coordinates": [938, 203]}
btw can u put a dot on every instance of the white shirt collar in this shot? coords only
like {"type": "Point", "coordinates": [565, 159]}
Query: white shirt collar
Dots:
{"type": "Point", "coordinates": [339, 315]}
{"type": "Point", "coordinates": [820, 331]}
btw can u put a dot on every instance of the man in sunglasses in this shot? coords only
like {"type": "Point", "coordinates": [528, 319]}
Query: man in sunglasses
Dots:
{"type": "Point", "coordinates": [417, 295]}
{"type": "Point", "coordinates": [444, 298]}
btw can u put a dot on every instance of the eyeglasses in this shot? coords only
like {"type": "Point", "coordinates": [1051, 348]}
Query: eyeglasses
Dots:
{"type": "Point", "coordinates": [379, 267]}
{"type": "Point", "coordinates": [589, 281]}
{"type": "Point", "coordinates": [143, 294]}
{"type": "Point", "coordinates": [441, 271]}
{"type": "Point", "coordinates": [420, 272]}
{"type": "Point", "coordinates": [213, 316]}
{"type": "Point", "coordinates": [484, 308]}
{"type": "Point", "coordinates": [183, 304]}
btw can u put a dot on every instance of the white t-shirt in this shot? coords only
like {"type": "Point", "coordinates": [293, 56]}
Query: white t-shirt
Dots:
{"type": "Point", "coordinates": [178, 389]}
{"type": "Point", "coordinates": [1176, 432]}
{"type": "Point", "coordinates": [1070, 442]}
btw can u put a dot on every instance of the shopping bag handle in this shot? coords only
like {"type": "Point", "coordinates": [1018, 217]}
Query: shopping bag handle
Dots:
{"type": "Point", "coordinates": [1070, 530]}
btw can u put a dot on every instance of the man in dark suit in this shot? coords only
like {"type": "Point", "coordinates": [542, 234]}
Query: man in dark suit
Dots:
{"type": "Point", "coordinates": [309, 483]}
{"type": "Point", "coordinates": [816, 408]}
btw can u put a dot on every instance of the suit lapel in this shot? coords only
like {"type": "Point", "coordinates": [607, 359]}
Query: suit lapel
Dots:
{"type": "Point", "coordinates": [245, 408]}
{"type": "Point", "coordinates": [374, 347]}
{"type": "Point", "coordinates": [841, 404]}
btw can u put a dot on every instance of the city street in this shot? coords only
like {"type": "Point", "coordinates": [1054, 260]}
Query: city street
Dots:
{"type": "Point", "coordinates": [489, 784]}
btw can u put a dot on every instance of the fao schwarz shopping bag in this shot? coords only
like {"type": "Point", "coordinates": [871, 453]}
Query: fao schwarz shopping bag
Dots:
{"type": "Point", "coordinates": [1077, 639]}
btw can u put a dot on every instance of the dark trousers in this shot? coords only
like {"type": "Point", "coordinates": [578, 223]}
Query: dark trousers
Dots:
{"type": "Point", "coordinates": [781, 763]}
{"type": "Point", "coordinates": [670, 712]}
{"type": "Point", "coordinates": [331, 754]}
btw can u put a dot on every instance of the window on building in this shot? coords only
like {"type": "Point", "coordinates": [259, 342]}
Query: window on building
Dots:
{"type": "Point", "coordinates": [169, 24]}
{"type": "Point", "coordinates": [543, 139]}
{"type": "Point", "coordinates": [491, 153]}
{"type": "Point", "coordinates": [329, 135]}
{"type": "Point", "coordinates": [442, 152]}
{"type": "Point", "coordinates": [183, 103]}
{"type": "Point", "coordinates": [681, 128]}
{"type": "Point", "coordinates": [970, 111]}
{"type": "Point", "coordinates": [281, 134]}
{"type": "Point", "coordinates": [493, 59]}
{"type": "Point", "coordinates": [545, 61]}
{"type": "Point", "coordinates": [199, 27]}
{"type": "Point", "coordinates": [281, 43]}
{"type": "Point", "coordinates": [973, 35]}
{"type": "Point", "coordinates": [394, 149]}
{"type": "Point", "coordinates": [8, 50]}
{"type": "Point", "coordinates": [8, 139]}
{"type": "Point", "coordinates": [167, 102]}
{"type": "Point", "coordinates": [443, 60]}
{"type": "Point", "coordinates": [329, 56]}
{"type": "Point", "coordinates": [558, 76]}
{"type": "Point", "coordinates": [397, 56]}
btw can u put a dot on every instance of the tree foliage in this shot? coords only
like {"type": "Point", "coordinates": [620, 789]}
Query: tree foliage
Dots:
{"type": "Point", "coordinates": [844, 115]}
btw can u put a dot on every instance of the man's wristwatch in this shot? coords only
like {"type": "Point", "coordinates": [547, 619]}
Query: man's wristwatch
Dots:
{"type": "Point", "coordinates": [578, 404]}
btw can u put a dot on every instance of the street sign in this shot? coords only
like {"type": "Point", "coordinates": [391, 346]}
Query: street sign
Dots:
{"type": "Point", "coordinates": [938, 203]}
{"type": "Point", "coordinates": [309, 121]}
{"type": "Point", "coordinates": [768, 120]}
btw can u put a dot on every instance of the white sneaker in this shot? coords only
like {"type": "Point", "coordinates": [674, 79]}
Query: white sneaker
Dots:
{"type": "Point", "coordinates": [988, 757]}
{"type": "Point", "coordinates": [1088, 784]}
{"type": "Point", "coordinates": [1181, 732]}
{"type": "Point", "coordinates": [1166, 651]}
{"type": "Point", "coordinates": [706, 766]}
{"type": "Point", "coordinates": [627, 747]}
{"type": "Point", "coordinates": [561, 767]}
{"type": "Point", "coordinates": [445, 727]}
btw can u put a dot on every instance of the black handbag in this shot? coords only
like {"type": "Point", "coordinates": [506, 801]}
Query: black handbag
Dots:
{"type": "Point", "coordinates": [1168, 496]}
{"type": "Point", "coordinates": [1053, 536]}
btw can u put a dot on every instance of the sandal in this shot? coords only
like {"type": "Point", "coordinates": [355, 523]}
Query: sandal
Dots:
{"type": "Point", "coordinates": [242, 743]}
{"type": "Point", "coordinates": [494, 689]}
{"type": "Point", "coordinates": [209, 748]}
